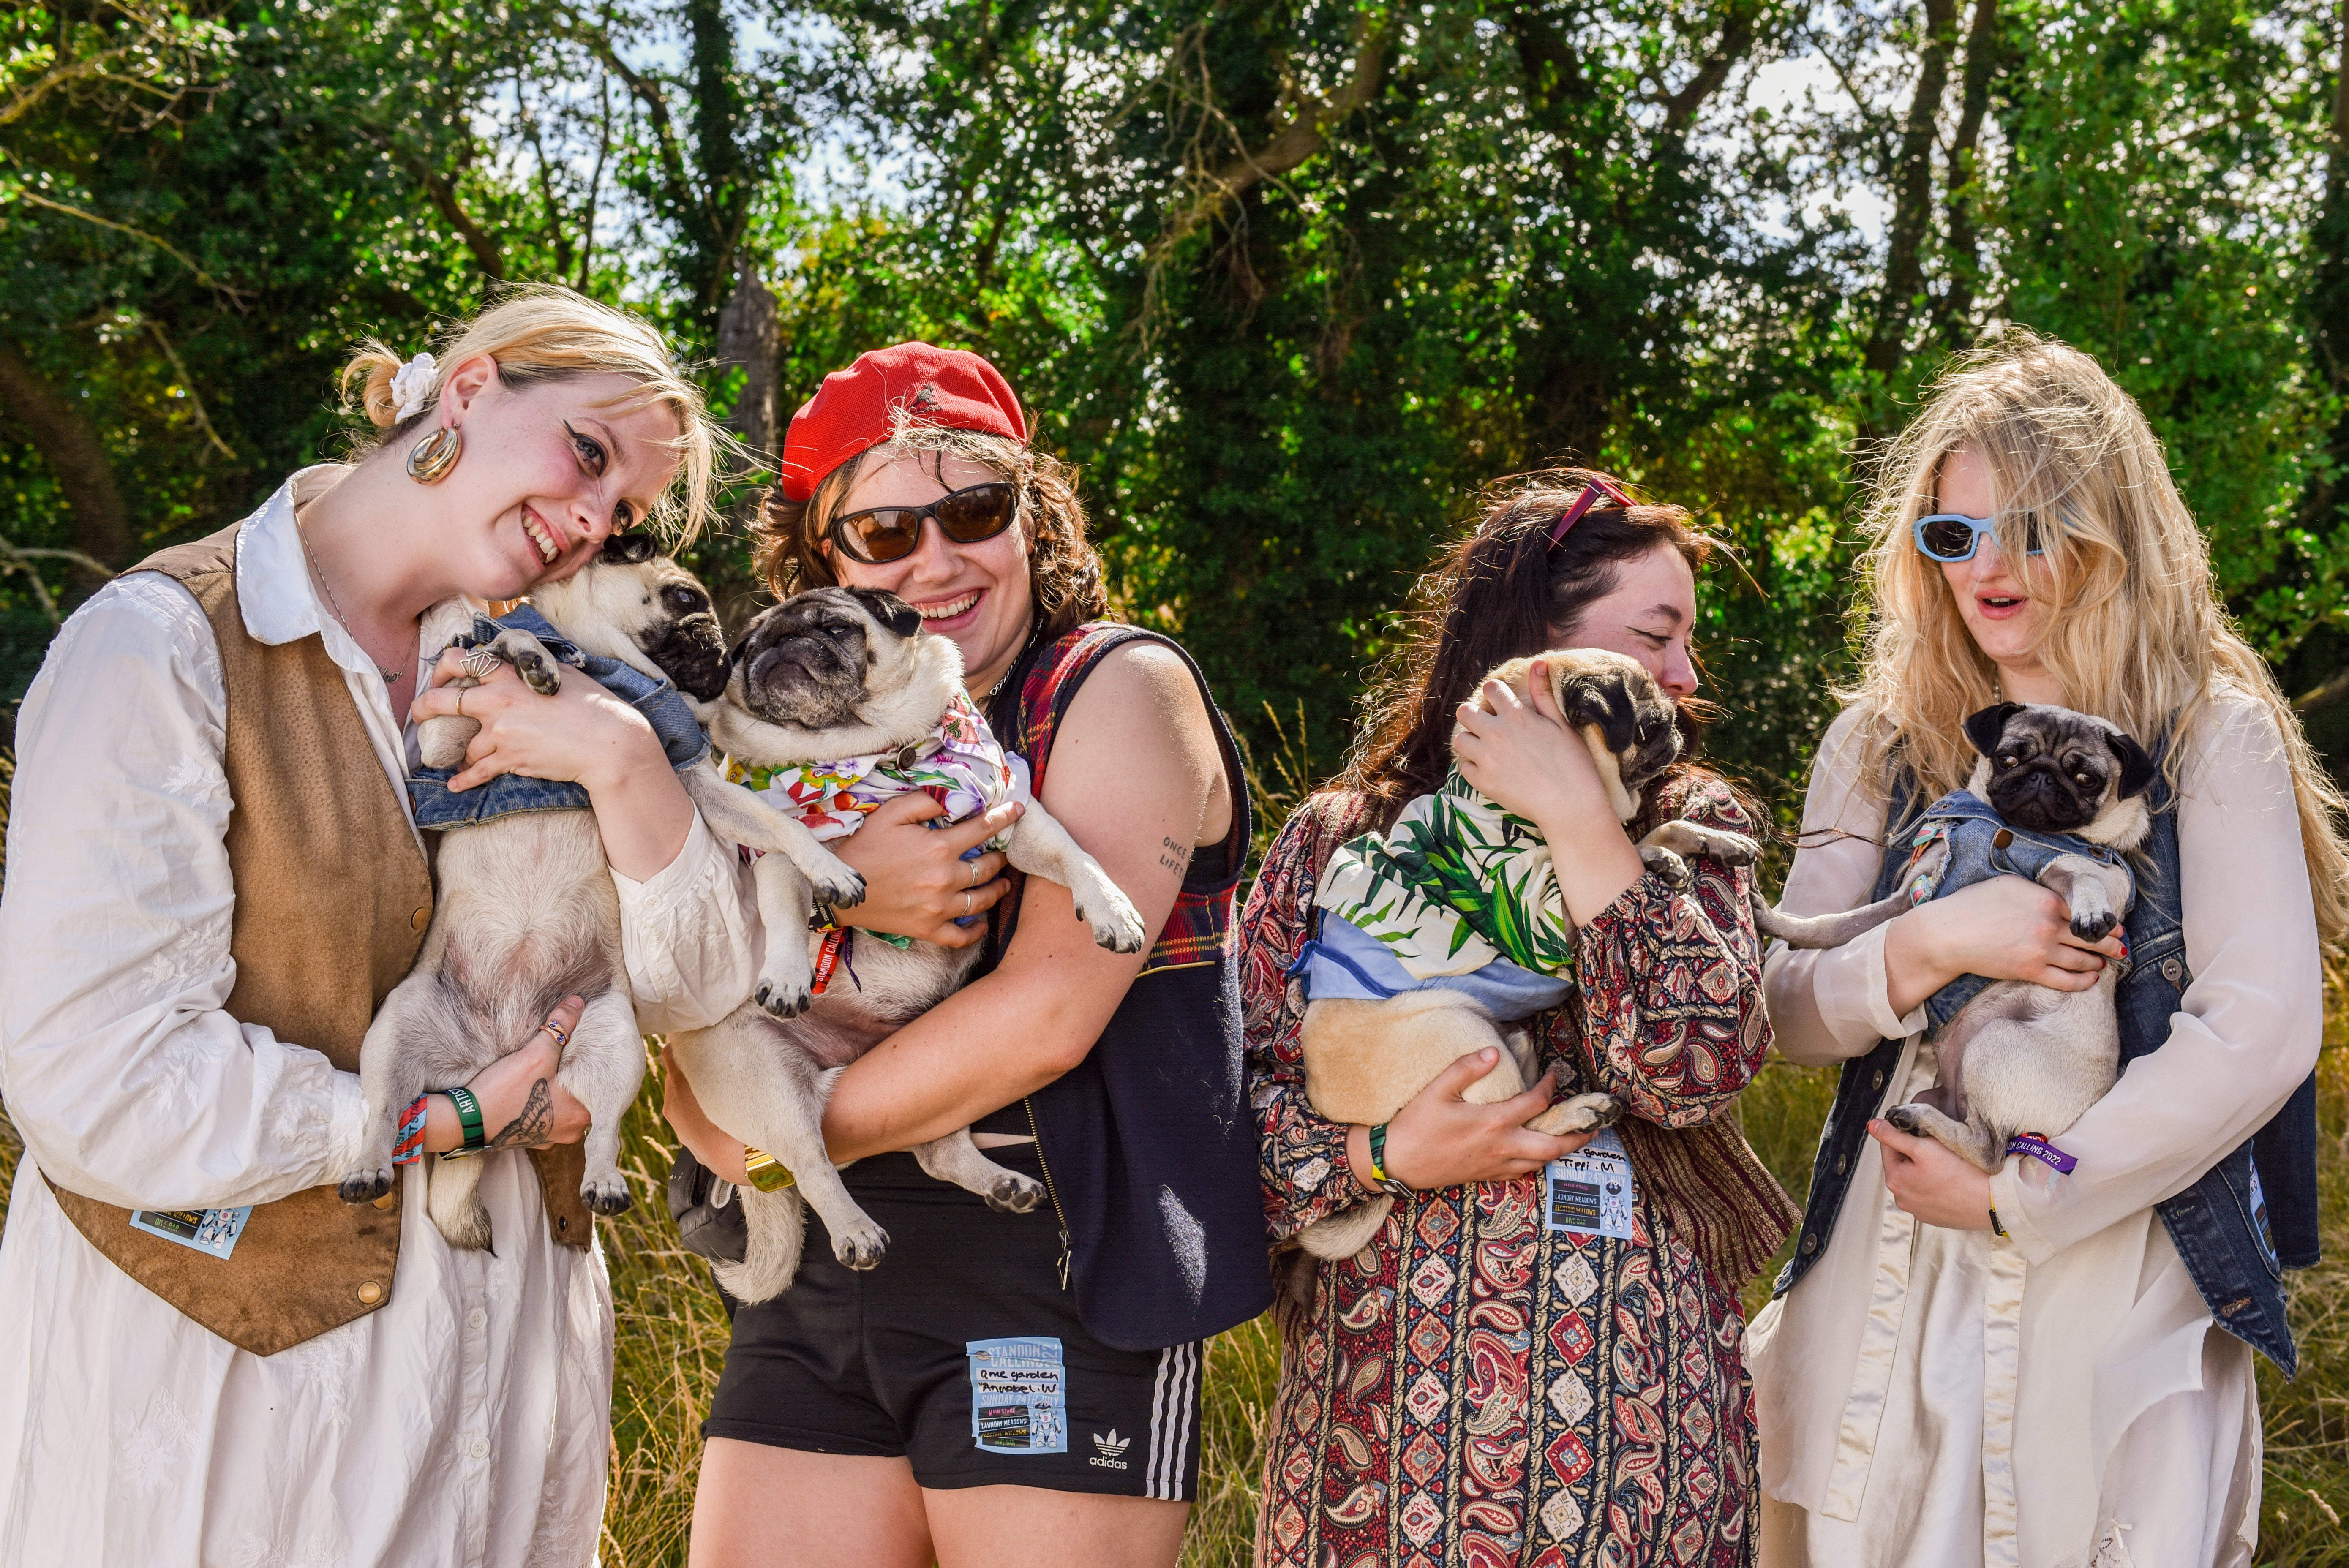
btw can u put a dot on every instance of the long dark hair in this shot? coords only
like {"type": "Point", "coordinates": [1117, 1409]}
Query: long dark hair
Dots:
{"type": "Point", "coordinates": [1501, 593]}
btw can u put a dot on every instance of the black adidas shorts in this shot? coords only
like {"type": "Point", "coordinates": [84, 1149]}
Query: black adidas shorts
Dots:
{"type": "Point", "coordinates": [961, 1351]}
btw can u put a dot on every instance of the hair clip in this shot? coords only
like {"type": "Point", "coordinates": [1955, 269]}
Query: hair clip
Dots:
{"type": "Point", "coordinates": [1599, 485]}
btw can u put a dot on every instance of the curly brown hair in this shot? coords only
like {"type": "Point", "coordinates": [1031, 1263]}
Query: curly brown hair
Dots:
{"type": "Point", "coordinates": [1503, 592]}
{"type": "Point", "coordinates": [1064, 574]}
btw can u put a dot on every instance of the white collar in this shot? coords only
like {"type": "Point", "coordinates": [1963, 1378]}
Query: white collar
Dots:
{"type": "Point", "coordinates": [274, 588]}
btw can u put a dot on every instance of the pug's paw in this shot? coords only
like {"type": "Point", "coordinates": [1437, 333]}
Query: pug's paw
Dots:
{"type": "Point", "coordinates": [608, 1193]}
{"type": "Point", "coordinates": [1667, 865]}
{"type": "Point", "coordinates": [2094, 925]}
{"type": "Point", "coordinates": [1116, 924]}
{"type": "Point", "coordinates": [783, 996]}
{"type": "Point", "coordinates": [366, 1185]}
{"type": "Point", "coordinates": [835, 881]}
{"type": "Point", "coordinates": [1909, 1119]}
{"type": "Point", "coordinates": [861, 1245]}
{"type": "Point", "coordinates": [1581, 1113]}
{"type": "Point", "coordinates": [1013, 1193]}
{"type": "Point", "coordinates": [538, 672]}
{"type": "Point", "coordinates": [1733, 849]}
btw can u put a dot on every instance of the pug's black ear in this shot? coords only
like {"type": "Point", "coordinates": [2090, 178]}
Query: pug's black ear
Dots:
{"type": "Point", "coordinates": [1606, 700]}
{"type": "Point", "coordinates": [1984, 727]}
{"type": "Point", "coordinates": [630, 548]}
{"type": "Point", "coordinates": [890, 611]}
{"type": "Point", "coordinates": [2137, 766]}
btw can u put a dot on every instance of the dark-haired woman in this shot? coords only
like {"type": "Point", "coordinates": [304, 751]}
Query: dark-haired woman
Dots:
{"type": "Point", "coordinates": [1002, 1387]}
{"type": "Point", "coordinates": [1476, 1385]}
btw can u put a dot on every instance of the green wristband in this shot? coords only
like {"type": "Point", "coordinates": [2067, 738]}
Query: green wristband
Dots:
{"type": "Point", "coordinates": [469, 1114]}
{"type": "Point", "coordinates": [1378, 1162]}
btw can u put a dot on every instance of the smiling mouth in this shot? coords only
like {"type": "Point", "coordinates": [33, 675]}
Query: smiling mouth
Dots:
{"type": "Point", "coordinates": [946, 610]}
{"type": "Point", "coordinates": [539, 537]}
{"type": "Point", "coordinates": [1999, 602]}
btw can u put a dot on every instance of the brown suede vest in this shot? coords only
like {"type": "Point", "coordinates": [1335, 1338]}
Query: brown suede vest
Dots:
{"type": "Point", "coordinates": [333, 897]}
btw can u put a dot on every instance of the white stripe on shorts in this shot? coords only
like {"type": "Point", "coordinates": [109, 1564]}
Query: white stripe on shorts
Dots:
{"type": "Point", "coordinates": [1170, 1422]}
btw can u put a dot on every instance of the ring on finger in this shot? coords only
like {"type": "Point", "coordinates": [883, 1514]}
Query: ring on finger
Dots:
{"type": "Point", "coordinates": [460, 702]}
{"type": "Point", "coordinates": [973, 873]}
{"type": "Point", "coordinates": [561, 1038]}
{"type": "Point", "coordinates": [966, 904]}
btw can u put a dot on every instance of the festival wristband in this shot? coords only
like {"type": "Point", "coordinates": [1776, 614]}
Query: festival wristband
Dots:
{"type": "Point", "coordinates": [409, 1147]}
{"type": "Point", "coordinates": [767, 1173]}
{"type": "Point", "coordinates": [1996, 1229]}
{"type": "Point", "coordinates": [1379, 1175]}
{"type": "Point", "coordinates": [469, 1114]}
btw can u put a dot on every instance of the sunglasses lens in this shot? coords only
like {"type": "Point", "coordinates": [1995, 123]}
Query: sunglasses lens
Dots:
{"type": "Point", "coordinates": [1946, 539]}
{"type": "Point", "coordinates": [889, 534]}
{"type": "Point", "coordinates": [982, 511]}
{"type": "Point", "coordinates": [2031, 542]}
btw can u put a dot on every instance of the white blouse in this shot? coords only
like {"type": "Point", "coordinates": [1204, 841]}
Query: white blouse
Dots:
{"type": "Point", "coordinates": [1929, 1396]}
{"type": "Point", "coordinates": [467, 1421]}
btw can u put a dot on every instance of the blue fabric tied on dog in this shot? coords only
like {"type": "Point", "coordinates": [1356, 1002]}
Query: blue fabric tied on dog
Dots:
{"type": "Point", "coordinates": [1343, 961]}
{"type": "Point", "coordinates": [438, 808]}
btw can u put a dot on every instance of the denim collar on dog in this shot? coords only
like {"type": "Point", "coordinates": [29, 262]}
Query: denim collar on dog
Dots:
{"type": "Point", "coordinates": [663, 706]}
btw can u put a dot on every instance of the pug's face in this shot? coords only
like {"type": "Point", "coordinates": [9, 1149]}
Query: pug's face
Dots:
{"type": "Point", "coordinates": [2053, 770]}
{"type": "Point", "coordinates": [1617, 695]}
{"type": "Point", "coordinates": [630, 590]}
{"type": "Point", "coordinates": [810, 662]}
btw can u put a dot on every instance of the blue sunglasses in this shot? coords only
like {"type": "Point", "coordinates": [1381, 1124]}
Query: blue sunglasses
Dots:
{"type": "Point", "coordinates": [1953, 536]}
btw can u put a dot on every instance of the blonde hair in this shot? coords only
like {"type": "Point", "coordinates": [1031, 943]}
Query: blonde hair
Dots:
{"type": "Point", "coordinates": [2134, 632]}
{"type": "Point", "coordinates": [542, 332]}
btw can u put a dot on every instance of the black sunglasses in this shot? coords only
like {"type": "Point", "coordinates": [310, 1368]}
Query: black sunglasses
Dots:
{"type": "Point", "coordinates": [880, 534]}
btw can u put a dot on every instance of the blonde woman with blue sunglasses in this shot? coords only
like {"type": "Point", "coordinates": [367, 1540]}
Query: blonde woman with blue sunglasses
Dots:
{"type": "Point", "coordinates": [2038, 1367]}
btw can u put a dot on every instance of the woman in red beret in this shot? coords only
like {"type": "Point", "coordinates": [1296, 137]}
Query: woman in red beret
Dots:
{"type": "Point", "coordinates": [1014, 1387]}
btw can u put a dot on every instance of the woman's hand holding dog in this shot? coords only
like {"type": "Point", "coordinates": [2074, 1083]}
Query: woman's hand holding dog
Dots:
{"type": "Point", "coordinates": [2007, 928]}
{"type": "Point", "coordinates": [1524, 757]}
{"type": "Point", "coordinates": [523, 1105]}
{"type": "Point", "coordinates": [916, 882]}
{"type": "Point", "coordinates": [581, 735]}
{"type": "Point", "coordinates": [1930, 1181]}
{"type": "Point", "coordinates": [1439, 1140]}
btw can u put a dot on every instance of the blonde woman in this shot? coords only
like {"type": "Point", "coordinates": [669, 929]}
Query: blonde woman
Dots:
{"type": "Point", "coordinates": [212, 880]}
{"type": "Point", "coordinates": [2034, 1367]}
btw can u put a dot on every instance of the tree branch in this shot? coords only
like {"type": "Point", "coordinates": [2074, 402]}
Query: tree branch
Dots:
{"type": "Point", "coordinates": [34, 198]}
{"type": "Point", "coordinates": [65, 436]}
{"type": "Point", "coordinates": [488, 253]}
{"type": "Point", "coordinates": [1984, 51]}
{"type": "Point", "coordinates": [1736, 39]}
{"type": "Point", "coordinates": [1298, 138]}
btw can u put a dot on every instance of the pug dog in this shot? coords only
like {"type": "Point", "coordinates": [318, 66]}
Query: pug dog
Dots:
{"type": "Point", "coordinates": [828, 674]}
{"type": "Point", "coordinates": [526, 913]}
{"type": "Point", "coordinates": [2022, 1058]}
{"type": "Point", "coordinates": [1365, 1060]}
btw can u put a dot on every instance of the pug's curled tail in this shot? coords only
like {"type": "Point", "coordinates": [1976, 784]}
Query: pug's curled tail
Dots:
{"type": "Point", "coordinates": [1820, 931]}
{"type": "Point", "coordinates": [777, 1227]}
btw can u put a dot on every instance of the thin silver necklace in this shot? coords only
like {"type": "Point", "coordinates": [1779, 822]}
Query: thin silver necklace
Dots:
{"type": "Point", "coordinates": [988, 700]}
{"type": "Point", "coordinates": [332, 608]}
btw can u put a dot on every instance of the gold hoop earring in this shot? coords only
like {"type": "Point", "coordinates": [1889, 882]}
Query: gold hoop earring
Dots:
{"type": "Point", "coordinates": [430, 461]}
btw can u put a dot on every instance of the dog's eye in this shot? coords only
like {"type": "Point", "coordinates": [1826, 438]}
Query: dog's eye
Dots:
{"type": "Point", "coordinates": [838, 631]}
{"type": "Point", "coordinates": [2007, 760]}
{"type": "Point", "coordinates": [684, 600]}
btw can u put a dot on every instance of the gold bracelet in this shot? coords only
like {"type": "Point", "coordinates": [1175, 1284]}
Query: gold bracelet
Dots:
{"type": "Point", "coordinates": [767, 1173]}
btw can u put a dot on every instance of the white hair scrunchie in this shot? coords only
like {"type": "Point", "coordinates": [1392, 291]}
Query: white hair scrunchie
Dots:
{"type": "Point", "coordinates": [411, 384]}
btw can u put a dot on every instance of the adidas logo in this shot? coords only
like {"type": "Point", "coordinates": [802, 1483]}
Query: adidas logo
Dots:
{"type": "Point", "coordinates": [1112, 1450]}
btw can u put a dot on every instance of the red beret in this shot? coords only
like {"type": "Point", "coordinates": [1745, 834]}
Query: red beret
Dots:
{"type": "Point", "coordinates": [856, 407]}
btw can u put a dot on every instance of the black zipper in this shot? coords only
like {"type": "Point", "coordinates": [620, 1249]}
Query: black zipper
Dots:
{"type": "Point", "coordinates": [1060, 1219]}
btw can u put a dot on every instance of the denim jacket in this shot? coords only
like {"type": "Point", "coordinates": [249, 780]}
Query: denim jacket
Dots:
{"type": "Point", "coordinates": [439, 808]}
{"type": "Point", "coordinates": [2248, 1219]}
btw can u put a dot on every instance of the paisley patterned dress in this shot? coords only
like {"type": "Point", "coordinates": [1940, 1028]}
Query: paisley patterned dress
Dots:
{"type": "Point", "coordinates": [1474, 1388]}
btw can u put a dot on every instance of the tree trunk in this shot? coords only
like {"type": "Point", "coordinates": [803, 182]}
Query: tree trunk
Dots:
{"type": "Point", "coordinates": [1912, 186]}
{"type": "Point", "coordinates": [1955, 318]}
{"type": "Point", "coordinates": [70, 441]}
{"type": "Point", "coordinates": [750, 335]}
{"type": "Point", "coordinates": [2328, 301]}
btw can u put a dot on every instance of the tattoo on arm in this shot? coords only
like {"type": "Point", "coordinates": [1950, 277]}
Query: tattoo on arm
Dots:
{"type": "Point", "coordinates": [531, 1127]}
{"type": "Point", "coordinates": [1176, 858]}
